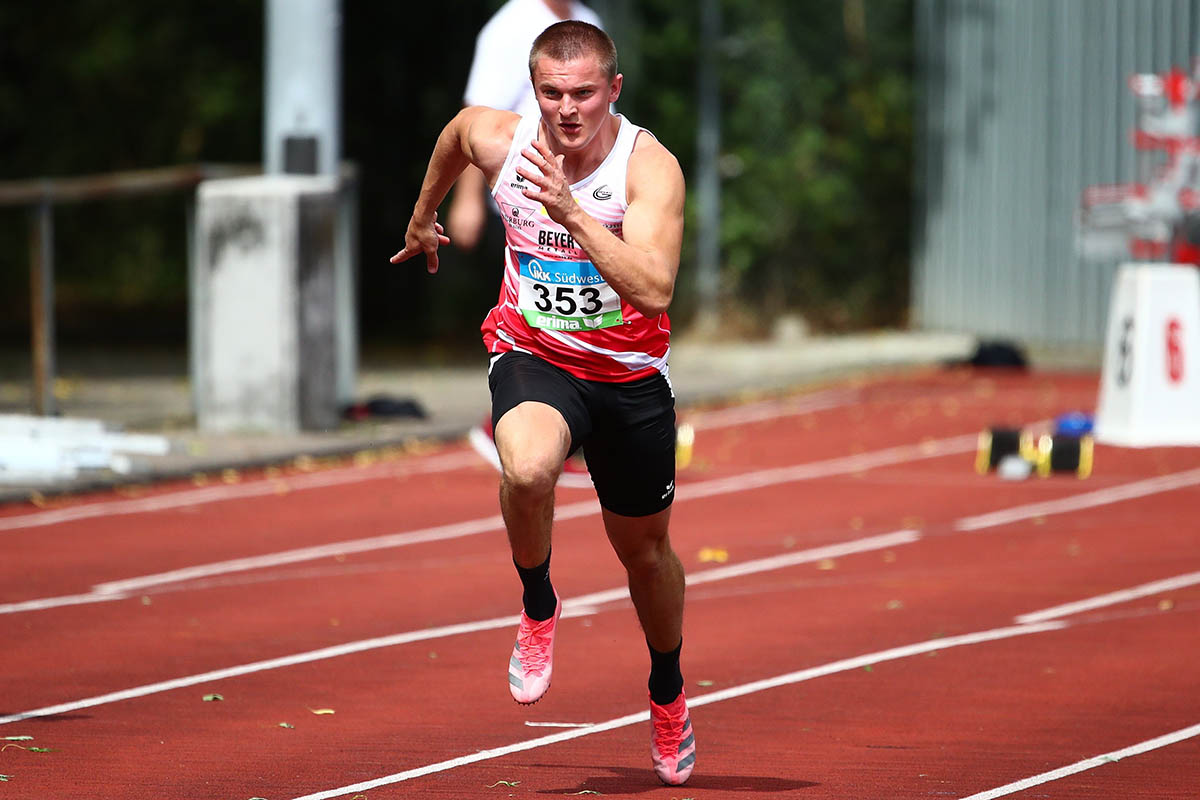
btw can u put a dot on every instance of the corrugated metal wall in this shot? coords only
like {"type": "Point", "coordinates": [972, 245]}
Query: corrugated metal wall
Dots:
{"type": "Point", "coordinates": [1023, 104]}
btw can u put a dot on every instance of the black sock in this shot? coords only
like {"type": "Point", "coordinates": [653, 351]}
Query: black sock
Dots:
{"type": "Point", "coordinates": [538, 595]}
{"type": "Point", "coordinates": [666, 681]}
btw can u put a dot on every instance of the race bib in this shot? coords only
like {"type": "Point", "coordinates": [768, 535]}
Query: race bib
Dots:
{"type": "Point", "coordinates": [566, 295]}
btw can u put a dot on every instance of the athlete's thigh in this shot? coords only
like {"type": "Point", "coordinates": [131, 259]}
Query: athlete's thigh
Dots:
{"type": "Point", "coordinates": [532, 438]}
{"type": "Point", "coordinates": [536, 408]}
{"type": "Point", "coordinates": [631, 450]}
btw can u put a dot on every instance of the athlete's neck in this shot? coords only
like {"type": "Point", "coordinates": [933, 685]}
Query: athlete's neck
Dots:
{"type": "Point", "coordinates": [578, 164]}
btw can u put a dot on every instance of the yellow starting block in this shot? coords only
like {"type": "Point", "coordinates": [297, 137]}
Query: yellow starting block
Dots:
{"type": "Point", "coordinates": [685, 440]}
{"type": "Point", "coordinates": [1048, 454]}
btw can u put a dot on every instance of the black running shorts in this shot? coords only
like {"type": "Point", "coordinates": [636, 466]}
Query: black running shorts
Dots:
{"type": "Point", "coordinates": [626, 430]}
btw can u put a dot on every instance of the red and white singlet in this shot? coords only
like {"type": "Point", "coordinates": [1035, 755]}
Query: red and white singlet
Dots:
{"type": "Point", "coordinates": [553, 302]}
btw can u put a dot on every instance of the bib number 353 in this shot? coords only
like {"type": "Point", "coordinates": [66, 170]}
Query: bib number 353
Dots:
{"type": "Point", "coordinates": [567, 300]}
{"type": "Point", "coordinates": [566, 295]}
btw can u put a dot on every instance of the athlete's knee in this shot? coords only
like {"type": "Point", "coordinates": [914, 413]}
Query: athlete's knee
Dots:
{"type": "Point", "coordinates": [530, 474]}
{"type": "Point", "coordinates": [648, 556]}
{"type": "Point", "coordinates": [532, 440]}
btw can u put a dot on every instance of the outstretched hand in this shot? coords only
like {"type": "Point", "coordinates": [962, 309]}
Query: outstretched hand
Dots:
{"type": "Point", "coordinates": [423, 237]}
{"type": "Point", "coordinates": [552, 190]}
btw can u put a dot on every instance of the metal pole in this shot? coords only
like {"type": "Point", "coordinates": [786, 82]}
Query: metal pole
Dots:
{"type": "Point", "coordinates": [41, 284]}
{"type": "Point", "coordinates": [195, 301]}
{"type": "Point", "coordinates": [708, 146]}
{"type": "Point", "coordinates": [345, 277]}
{"type": "Point", "coordinates": [302, 125]}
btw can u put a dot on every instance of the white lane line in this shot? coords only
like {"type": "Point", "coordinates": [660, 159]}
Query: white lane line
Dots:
{"type": "Point", "coordinates": [843, 465]}
{"type": "Point", "coordinates": [269, 664]}
{"type": "Point", "coordinates": [1090, 763]}
{"type": "Point", "coordinates": [770, 409]}
{"type": "Point", "coordinates": [436, 533]}
{"type": "Point", "coordinates": [870, 543]}
{"type": "Point", "coordinates": [711, 488]}
{"type": "Point", "coordinates": [442, 463]}
{"type": "Point", "coordinates": [220, 494]}
{"type": "Point", "coordinates": [761, 565]}
{"type": "Point", "coordinates": [115, 590]}
{"type": "Point", "coordinates": [582, 605]}
{"type": "Point", "coordinates": [58, 602]}
{"type": "Point", "coordinates": [1112, 598]}
{"type": "Point", "coordinates": [799, 676]}
{"type": "Point", "coordinates": [1100, 497]}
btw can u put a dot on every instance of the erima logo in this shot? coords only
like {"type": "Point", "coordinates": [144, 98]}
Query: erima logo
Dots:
{"type": "Point", "coordinates": [602, 193]}
{"type": "Point", "coordinates": [559, 324]}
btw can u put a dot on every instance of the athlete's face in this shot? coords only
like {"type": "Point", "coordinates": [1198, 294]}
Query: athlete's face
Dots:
{"type": "Point", "coordinates": [574, 97]}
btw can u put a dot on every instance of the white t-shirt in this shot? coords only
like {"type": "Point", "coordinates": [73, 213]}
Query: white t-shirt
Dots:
{"type": "Point", "coordinates": [500, 69]}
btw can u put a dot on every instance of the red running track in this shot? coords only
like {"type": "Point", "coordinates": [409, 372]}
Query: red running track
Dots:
{"type": "Point", "coordinates": [893, 665]}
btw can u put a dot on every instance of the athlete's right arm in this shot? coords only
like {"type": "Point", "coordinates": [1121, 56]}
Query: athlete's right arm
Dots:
{"type": "Point", "coordinates": [476, 135]}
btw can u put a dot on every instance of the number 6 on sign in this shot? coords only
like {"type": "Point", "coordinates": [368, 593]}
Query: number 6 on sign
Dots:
{"type": "Point", "coordinates": [1175, 350]}
{"type": "Point", "coordinates": [1148, 396]}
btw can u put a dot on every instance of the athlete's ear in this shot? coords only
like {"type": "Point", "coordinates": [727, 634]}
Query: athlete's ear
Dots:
{"type": "Point", "coordinates": [614, 90]}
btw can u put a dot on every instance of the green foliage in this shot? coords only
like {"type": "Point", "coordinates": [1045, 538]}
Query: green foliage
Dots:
{"type": "Point", "coordinates": [92, 87]}
{"type": "Point", "coordinates": [816, 148]}
{"type": "Point", "coordinates": [96, 86]}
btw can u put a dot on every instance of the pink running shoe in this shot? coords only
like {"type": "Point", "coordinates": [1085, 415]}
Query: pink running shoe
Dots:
{"type": "Point", "coordinates": [532, 658]}
{"type": "Point", "coordinates": [672, 742]}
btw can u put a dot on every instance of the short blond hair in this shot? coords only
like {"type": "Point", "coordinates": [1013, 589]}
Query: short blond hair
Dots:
{"type": "Point", "coordinates": [572, 39]}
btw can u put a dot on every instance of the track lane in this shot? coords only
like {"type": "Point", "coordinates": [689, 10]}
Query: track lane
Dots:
{"type": "Point", "coordinates": [1164, 771]}
{"type": "Point", "coordinates": [290, 518]}
{"type": "Point", "coordinates": [849, 605]}
{"type": "Point", "coordinates": [840, 599]}
{"type": "Point", "coordinates": [253, 614]}
{"type": "Point", "coordinates": [104, 549]}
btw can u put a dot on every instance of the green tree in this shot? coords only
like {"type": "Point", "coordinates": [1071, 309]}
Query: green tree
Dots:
{"type": "Point", "coordinates": [90, 87]}
{"type": "Point", "coordinates": [817, 149]}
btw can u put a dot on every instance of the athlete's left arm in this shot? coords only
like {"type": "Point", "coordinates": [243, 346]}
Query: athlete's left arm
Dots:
{"type": "Point", "coordinates": [641, 268]}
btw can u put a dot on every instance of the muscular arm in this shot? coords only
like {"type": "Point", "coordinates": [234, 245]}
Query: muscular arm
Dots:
{"type": "Point", "coordinates": [477, 135]}
{"type": "Point", "coordinates": [642, 266]}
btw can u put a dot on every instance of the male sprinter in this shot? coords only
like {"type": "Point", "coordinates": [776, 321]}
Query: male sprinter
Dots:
{"type": "Point", "coordinates": [593, 214]}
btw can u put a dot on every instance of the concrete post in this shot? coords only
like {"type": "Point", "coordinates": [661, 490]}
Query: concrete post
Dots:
{"type": "Point", "coordinates": [265, 304]}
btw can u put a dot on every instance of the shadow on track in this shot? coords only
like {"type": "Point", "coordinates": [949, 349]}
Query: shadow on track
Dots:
{"type": "Point", "coordinates": [625, 780]}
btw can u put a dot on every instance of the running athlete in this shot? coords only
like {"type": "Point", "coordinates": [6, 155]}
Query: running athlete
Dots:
{"type": "Point", "coordinates": [593, 214]}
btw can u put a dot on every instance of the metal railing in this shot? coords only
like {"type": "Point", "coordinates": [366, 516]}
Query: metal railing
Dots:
{"type": "Point", "coordinates": [41, 195]}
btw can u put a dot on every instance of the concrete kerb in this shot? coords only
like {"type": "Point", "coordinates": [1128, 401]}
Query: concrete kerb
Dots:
{"type": "Point", "coordinates": [703, 373]}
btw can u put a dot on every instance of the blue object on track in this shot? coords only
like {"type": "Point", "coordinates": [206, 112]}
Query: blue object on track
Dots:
{"type": "Point", "coordinates": [1073, 423]}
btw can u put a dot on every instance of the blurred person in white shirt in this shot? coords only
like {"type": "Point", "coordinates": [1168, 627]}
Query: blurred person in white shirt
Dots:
{"type": "Point", "coordinates": [499, 78]}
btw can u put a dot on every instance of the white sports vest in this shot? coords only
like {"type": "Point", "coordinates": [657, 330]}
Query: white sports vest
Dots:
{"type": "Point", "coordinates": [553, 302]}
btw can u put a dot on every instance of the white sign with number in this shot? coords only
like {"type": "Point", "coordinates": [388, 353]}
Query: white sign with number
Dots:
{"type": "Point", "coordinates": [1150, 384]}
{"type": "Point", "coordinates": [566, 295]}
